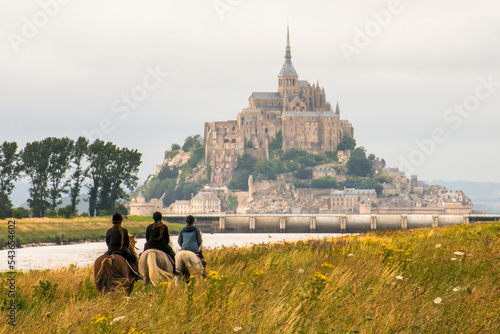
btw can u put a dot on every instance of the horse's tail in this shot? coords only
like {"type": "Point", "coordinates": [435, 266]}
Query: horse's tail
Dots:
{"type": "Point", "coordinates": [189, 264]}
{"type": "Point", "coordinates": [156, 274]}
{"type": "Point", "coordinates": [105, 276]}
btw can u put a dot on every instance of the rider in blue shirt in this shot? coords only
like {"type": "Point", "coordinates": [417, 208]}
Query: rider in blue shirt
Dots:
{"type": "Point", "coordinates": [190, 239]}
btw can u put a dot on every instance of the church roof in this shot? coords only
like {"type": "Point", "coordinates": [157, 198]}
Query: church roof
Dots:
{"type": "Point", "coordinates": [288, 70]}
{"type": "Point", "coordinates": [205, 196]}
{"type": "Point", "coordinates": [304, 83]}
{"type": "Point", "coordinates": [309, 113]}
{"type": "Point", "coordinates": [266, 96]}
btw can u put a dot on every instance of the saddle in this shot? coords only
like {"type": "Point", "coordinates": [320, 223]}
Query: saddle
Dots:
{"type": "Point", "coordinates": [132, 267]}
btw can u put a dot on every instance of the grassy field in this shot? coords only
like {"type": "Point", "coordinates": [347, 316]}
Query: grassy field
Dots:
{"type": "Point", "coordinates": [442, 280]}
{"type": "Point", "coordinates": [62, 231]}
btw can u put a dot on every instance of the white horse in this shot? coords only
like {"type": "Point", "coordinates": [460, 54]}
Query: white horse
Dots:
{"type": "Point", "coordinates": [155, 267]}
{"type": "Point", "coordinates": [188, 264]}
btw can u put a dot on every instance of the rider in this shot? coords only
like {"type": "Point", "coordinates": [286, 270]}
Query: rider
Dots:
{"type": "Point", "coordinates": [117, 240]}
{"type": "Point", "coordinates": [190, 239]}
{"type": "Point", "coordinates": [157, 237]}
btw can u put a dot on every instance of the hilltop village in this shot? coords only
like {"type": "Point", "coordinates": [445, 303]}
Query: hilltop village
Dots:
{"type": "Point", "coordinates": [289, 151]}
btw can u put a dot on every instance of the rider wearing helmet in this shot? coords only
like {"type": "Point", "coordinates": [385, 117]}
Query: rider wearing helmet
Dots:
{"type": "Point", "coordinates": [190, 239]}
{"type": "Point", "coordinates": [157, 237]}
{"type": "Point", "coordinates": [117, 240]}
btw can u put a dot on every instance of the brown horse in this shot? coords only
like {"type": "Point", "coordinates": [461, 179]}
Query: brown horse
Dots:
{"type": "Point", "coordinates": [112, 272]}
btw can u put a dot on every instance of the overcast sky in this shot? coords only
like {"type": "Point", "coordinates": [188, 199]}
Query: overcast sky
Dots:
{"type": "Point", "coordinates": [418, 71]}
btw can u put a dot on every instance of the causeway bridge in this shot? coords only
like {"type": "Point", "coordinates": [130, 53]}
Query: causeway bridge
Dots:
{"type": "Point", "coordinates": [322, 223]}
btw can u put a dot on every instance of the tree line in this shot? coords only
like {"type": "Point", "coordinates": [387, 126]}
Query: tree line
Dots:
{"type": "Point", "coordinates": [61, 166]}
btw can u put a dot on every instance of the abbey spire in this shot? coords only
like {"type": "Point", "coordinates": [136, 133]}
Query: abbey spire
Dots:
{"type": "Point", "coordinates": [288, 79]}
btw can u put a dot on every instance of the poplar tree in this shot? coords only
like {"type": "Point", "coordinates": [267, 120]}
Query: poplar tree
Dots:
{"type": "Point", "coordinates": [35, 163]}
{"type": "Point", "coordinates": [77, 158]}
{"type": "Point", "coordinates": [59, 163]}
{"type": "Point", "coordinates": [9, 173]}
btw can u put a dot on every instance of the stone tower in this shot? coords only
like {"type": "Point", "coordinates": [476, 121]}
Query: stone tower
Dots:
{"type": "Point", "coordinates": [288, 79]}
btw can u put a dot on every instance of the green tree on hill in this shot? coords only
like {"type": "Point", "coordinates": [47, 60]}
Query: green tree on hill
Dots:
{"type": "Point", "coordinates": [303, 173]}
{"type": "Point", "coordinates": [192, 142]}
{"type": "Point", "coordinates": [347, 143]}
{"type": "Point", "coordinates": [358, 163]}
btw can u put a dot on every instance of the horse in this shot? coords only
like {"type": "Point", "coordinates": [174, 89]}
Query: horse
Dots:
{"type": "Point", "coordinates": [188, 264]}
{"type": "Point", "coordinates": [112, 272]}
{"type": "Point", "coordinates": [155, 267]}
{"type": "Point", "coordinates": [131, 244]}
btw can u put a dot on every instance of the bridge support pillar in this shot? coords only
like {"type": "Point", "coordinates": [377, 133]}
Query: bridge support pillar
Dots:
{"type": "Point", "coordinates": [252, 224]}
{"type": "Point", "coordinates": [466, 220]}
{"type": "Point", "coordinates": [282, 224]}
{"type": "Point", "coordinates": [222, 224]}
{"type": "Point", "coordinates": [373, 222]}
{"type": "Point", "coordinates": [404, 222]}
{"type": "Point", "coordinates": [215, 224]}
{"type": "Point", "coordinates": [343, 224]}
{"type": "Point", "coordinates": [435, 220]}
{"type": "Point", "coordinates": [312, 224]}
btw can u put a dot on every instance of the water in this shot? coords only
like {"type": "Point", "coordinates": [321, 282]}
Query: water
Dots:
{"type": "Point", "coordinates": [51, 257]}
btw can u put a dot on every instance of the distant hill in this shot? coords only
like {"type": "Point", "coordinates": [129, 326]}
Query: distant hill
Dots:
{"type": "Point", "coordinates": [484, 195]}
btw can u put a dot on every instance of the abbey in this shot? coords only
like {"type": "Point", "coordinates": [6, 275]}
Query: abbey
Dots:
{"type": "Point", "coordinates": [298, 111]}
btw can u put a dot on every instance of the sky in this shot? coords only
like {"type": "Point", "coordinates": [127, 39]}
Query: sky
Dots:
{"type": "Point", "coordinates": [419, 80]}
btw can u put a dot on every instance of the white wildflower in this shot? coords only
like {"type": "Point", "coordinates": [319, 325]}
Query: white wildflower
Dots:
{"type": "Point", "coordinates": [301, 271]}
{"type": "Point", "coordinates": [459, 253]}
{"type": "Point", "coordinates": [351, 254]}
{"type": "Point", "coordinates": [438, 300]}
{"type": "Point", "coordinates": [437, 245]}
{"type": "Point", "coordinates": [399, 277]}
{"type": "Point", "coordinates": [237, 329]}
{"type": "Point", "coordinates": [117, 319]}
{"type": "Point", "coordinates": [453, 258]}
{"type": "Point", "coordinates": [457, 289]}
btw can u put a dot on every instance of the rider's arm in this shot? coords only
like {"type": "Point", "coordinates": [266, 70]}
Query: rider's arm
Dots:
{"type": "Point", "coordinates": [108, 235]}
{"type": "Point", "coordinates": [126, 239]}
{"type": "Point", "coordinates": [147, 234]}
{"type": "Point", "coordinates": [166, 235]}
{"type": "Point", "coordinates": [179, 239]}
{"type": "Point", "coordinates": [198, 237]}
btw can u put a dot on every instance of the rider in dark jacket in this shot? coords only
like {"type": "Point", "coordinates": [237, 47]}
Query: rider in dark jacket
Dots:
{"type": "Point", "coordinates": [118, 241]}
{"type": "Point", "coordinates": [190, 239]}
{"type": "Point", "coordinates": [157, 237]}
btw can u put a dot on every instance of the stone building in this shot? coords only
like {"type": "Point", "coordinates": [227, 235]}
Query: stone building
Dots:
{"type": "Point", "coordinates": [344, 200]}
{"type": "Point", "coordinates": [203, 202]}
{"type": "Point", "coordinates": [350, 199]}
{"type": "Point", "coordinates": [318, 172]}
{"type": "Point", "coordinates": [298, 110]}
{"type": "Point", "coordinates": [139, 206]}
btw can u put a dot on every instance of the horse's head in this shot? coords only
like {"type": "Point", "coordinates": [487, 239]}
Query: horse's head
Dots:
{"type": "Point", "coordinates": [132, 242]}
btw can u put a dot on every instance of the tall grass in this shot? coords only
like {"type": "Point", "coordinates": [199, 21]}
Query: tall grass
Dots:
{"type": "Point", "coordinates": [442, 280]}
{"type": "Point", "coordinates": [63, 231]}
